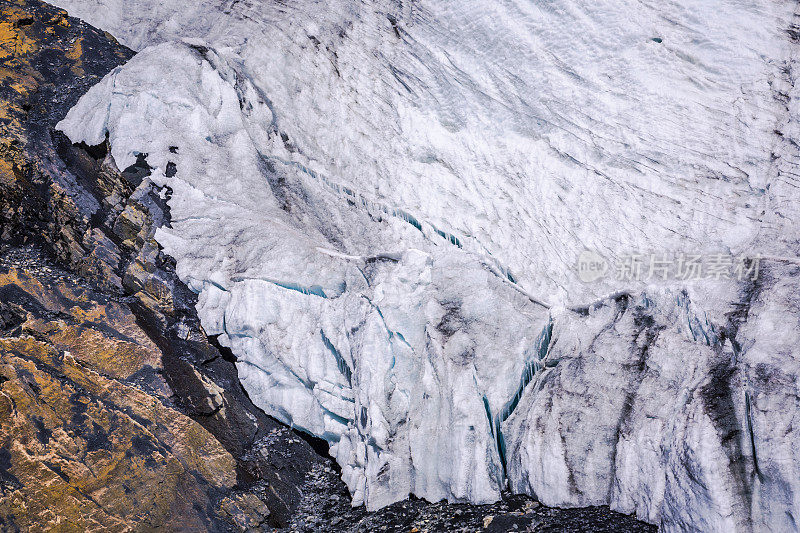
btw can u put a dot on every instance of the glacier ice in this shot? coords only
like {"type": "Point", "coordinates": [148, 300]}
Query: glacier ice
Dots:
{"type": "Point", "coordinates": [380, 207]}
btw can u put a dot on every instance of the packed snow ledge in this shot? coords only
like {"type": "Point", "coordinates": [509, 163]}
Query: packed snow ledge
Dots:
{"type": "Point", "coordinates": [381, 206]}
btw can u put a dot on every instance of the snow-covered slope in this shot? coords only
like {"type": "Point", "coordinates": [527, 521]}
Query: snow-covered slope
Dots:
{"type": "Point", "coordinates": [381, 206]}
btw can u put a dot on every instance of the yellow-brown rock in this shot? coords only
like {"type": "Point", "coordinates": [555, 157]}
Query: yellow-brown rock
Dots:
{"type": "Point", "coordinates": [81, 449]}
{"type": "Point", "coordinates": [81, 452]}
{"type": "Point", "coordinates": [103, 335]}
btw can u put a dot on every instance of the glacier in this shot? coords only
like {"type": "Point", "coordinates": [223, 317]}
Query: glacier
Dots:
{"type": "Point", "coordinates": [381, 207]}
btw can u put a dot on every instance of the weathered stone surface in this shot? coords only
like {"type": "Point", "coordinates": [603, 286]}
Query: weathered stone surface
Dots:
{"type": "Point", "coordinates": [100, 334]}
{"type": "Point", "coordinates": [84, 452]}
{"type": "Point", "coordinates": [46, 62]}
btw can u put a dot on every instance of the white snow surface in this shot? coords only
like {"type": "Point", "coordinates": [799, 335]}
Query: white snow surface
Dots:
{"type": "Point", "coordinates": [381, 206]}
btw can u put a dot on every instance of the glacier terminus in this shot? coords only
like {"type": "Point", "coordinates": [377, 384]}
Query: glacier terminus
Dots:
{"type": "Point", "coordinates": [381, 206]}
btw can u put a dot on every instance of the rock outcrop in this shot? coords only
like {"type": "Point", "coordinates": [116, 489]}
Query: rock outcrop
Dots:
{"type": "Point", "coordinates": [89, 439]}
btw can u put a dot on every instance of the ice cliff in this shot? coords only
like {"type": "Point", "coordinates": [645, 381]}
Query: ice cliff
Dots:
{"type": "Point", "coordinates": [381, 206]}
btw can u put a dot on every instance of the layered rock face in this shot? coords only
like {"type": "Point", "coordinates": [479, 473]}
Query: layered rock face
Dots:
{"type": "Point", "coordinates": [381, 206]}
{"type": "Point", "coordinates": [83, 449]}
